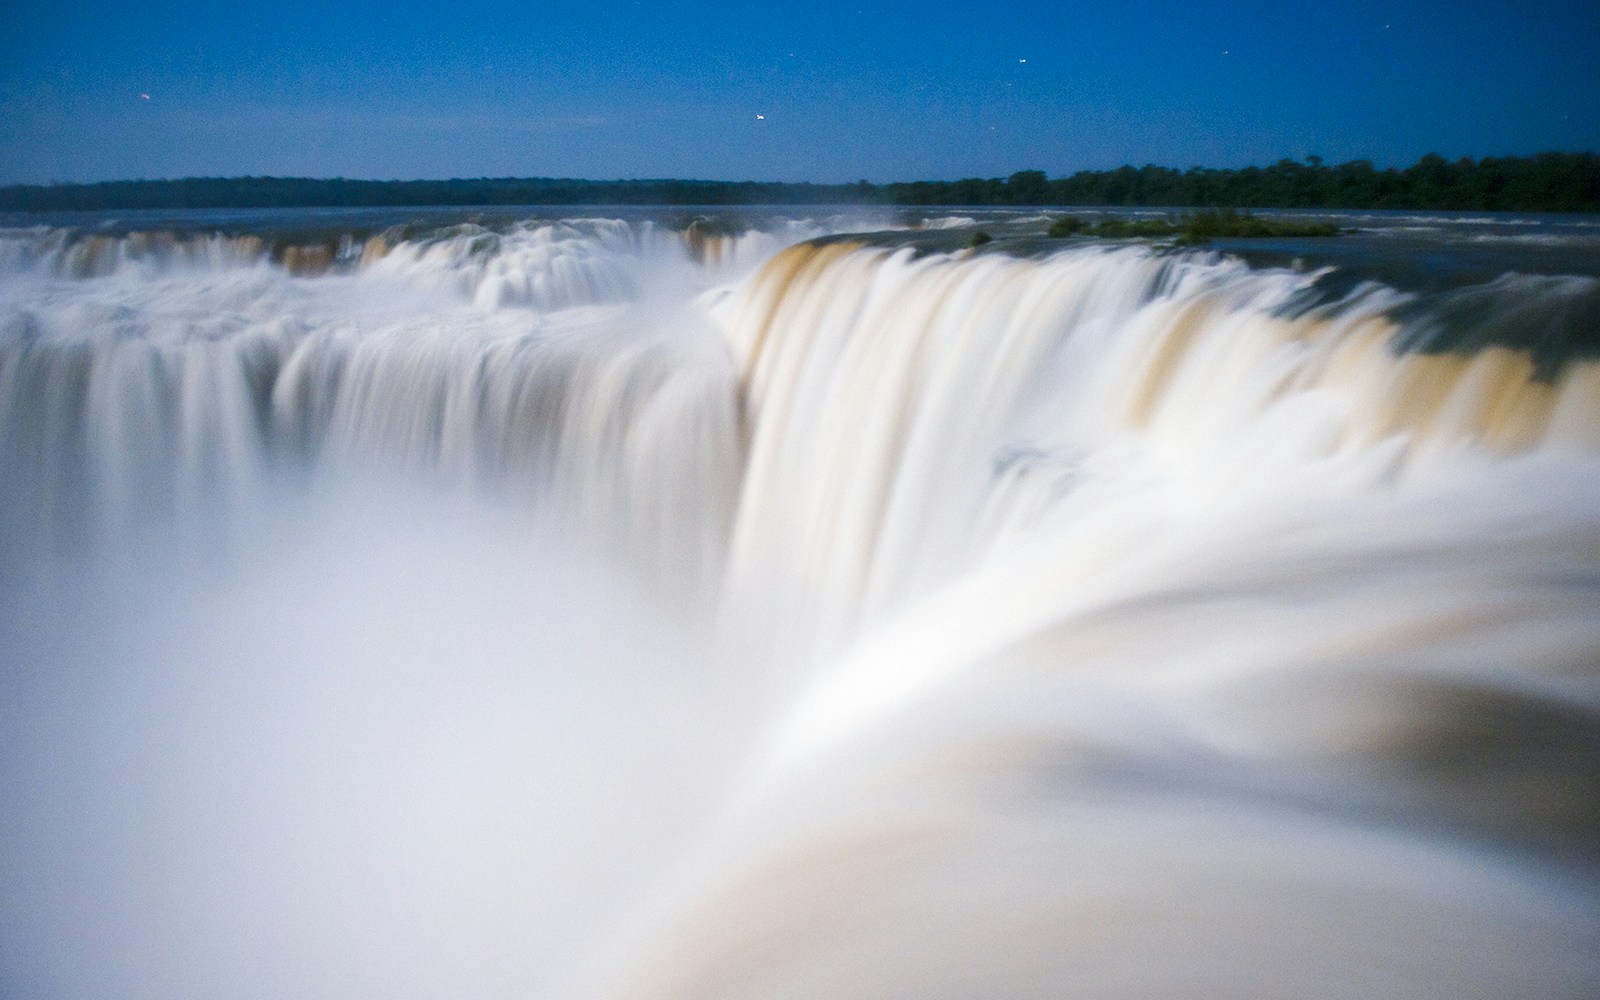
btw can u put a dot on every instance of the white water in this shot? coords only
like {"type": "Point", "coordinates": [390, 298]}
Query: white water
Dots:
{"type": "Point", "coordinates": [587, 609]}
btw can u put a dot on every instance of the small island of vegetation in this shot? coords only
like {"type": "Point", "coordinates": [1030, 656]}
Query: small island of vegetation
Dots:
{"type": "Point", "coordinates": [1194, 228]}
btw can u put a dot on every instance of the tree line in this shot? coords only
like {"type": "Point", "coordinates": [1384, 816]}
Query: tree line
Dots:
{"type": "Point", "coordinates": [1546, 182]}
{"type": "Point", "coordinates": [339, 192]}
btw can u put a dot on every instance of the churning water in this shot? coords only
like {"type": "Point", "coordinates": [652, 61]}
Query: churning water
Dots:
{"type": "Point", "coordinates": [605, 607]}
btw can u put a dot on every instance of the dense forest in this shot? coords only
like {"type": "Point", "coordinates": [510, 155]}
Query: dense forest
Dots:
{"type": "Point", "coordinates": [1547, 182]}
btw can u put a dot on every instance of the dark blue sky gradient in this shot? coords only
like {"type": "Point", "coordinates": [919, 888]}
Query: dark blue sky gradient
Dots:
{"type": "Point", "coordinates": [880, 90]}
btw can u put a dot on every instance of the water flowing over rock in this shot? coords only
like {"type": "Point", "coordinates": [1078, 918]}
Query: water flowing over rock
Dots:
{"type": "Point", "coordinates": [784, 607]}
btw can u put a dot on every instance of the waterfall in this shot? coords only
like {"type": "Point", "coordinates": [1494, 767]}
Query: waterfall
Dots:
{"type": "Point", "coordinates": [902, 413]}
{"type": "Point", "coordinates": [658, 608]}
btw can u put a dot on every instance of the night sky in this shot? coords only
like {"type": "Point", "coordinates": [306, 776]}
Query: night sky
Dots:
{"type": "Point", "coordinates": [824, 92]}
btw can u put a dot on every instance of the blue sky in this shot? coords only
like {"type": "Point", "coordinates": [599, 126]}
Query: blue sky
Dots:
{"type": "Point", "coordinates": [876, 90]}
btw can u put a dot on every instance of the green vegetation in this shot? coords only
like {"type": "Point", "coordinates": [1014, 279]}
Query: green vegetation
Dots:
{"type": "Point", "coordinates": [1547, 182]}
{"type": "Point", "coordinates": [1228, 224]}
{"type": "Point", "coordinates": [1070, 225]}
{"type": "Point", "coordinates": [1115, 228]}
{"type": "Point", "coordinates": [1197, 227]}
{"type": "Point", "coordinates": [339, 192]}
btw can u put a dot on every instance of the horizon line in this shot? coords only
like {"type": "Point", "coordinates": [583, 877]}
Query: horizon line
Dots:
{"type": "Point", "coordinates": [1311, 162]}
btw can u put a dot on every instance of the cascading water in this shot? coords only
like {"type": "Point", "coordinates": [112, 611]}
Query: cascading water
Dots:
{"type": "Point", "coordinates": [606, 608]}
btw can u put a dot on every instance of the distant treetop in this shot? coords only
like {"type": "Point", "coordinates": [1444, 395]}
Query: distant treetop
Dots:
{"type": "Point", "coordinates": [1546, 182]}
